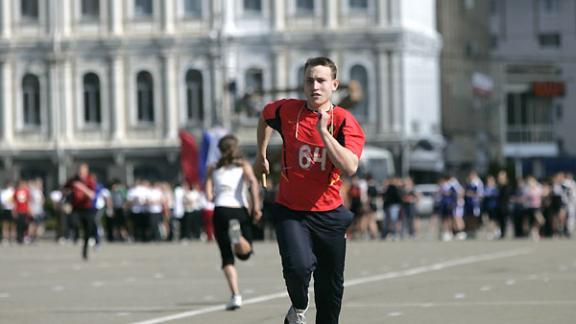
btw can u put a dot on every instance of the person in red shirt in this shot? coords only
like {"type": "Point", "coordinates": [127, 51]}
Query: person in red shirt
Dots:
{"type": "Point", "coordinates": [321, 142]}
{"type": "Point", "coordinates": [82, 188]}
{"type": "Point", "coordinates": [21, 210]}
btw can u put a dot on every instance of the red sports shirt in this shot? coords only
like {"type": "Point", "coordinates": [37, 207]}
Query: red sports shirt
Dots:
{"type": "Point", "coordinates": [22, 201]}
{"type": "Point", "coordinates": [309, 181]}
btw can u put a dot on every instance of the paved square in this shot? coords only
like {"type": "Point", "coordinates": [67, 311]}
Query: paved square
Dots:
{"type": "Point", "coordinates": [387, 282]}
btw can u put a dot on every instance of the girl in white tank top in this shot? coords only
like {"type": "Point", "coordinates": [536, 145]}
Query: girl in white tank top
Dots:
{"type": "Point", "coordinates": [229, 187]}
{"type": "Point", "coordinates": [226, 185]}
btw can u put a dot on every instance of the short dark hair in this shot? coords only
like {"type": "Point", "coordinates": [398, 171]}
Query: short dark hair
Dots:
{"type": "Point", "coordinates": [323, 61]}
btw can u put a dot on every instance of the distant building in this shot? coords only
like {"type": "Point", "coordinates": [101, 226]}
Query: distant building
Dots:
{"type": "Point", "coordinates": [470, 98]}
{"type": "Point", "coordinates": [533, 46]}
{"type": "Point", "coordinates": [112, 82]}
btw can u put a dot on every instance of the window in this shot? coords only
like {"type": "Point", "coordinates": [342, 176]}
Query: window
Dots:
{"type": "Point", "coordinates": [145, 97]}
{"type": "Point", "coordinates": [90, 9]}
{"type": "Point", "coordinates": [194, 96]}
{"type": "Point", "coordinates": [193, 8]}
{"type": "Point", "coordinates": [253, 6]}
{"type": "Point", "coordinates": [358, 4]}
{"type": "Point", "coordinates": [305, 6]}
{"type": "Point", "coordinates": [31, 100]}
{"type": "Point", "coordinates": [147, 172]}
{"type": "Point", "coordinates": [359, 74]}
{"type": "Point", "coordinates": [29, 10]}
{"type": "Point", "coordinates": [550, 40]}
{"type": "Point", "coordinates": [468, 4]}
{"type": "Point", "coordinates": [92, 101]}
{"type": "Point", "coordinates": [493, 41]}
{"type": "Point", "coordinates": [471, 49]}
{"type": "Point", "coordinates": [550, 6]}
{"type": "Point", "coordinates": [493, 7]}
{"type": "Point", "coordinates": [529, 118]}
{"type": "Point", "coordinates": [251, 102]}
{"type": "Point", "coordinates": [254, 80]}
{"type": "Point", "coordinates": [143, 8]}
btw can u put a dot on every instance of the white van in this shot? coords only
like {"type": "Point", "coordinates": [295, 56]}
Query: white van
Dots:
{"type": "Point", "coordinates": [378, 162]}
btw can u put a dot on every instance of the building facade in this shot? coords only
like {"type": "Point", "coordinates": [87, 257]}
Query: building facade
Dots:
{"type": "Point", "coordinates": [470, 99]}
{"type": "Point", "coordinates": [533, 49]}
{"type": "Point", "coordinates": [112, 82]}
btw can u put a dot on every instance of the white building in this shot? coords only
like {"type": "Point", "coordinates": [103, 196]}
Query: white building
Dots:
{"type": "Point", "coordinates": [534, 46]}
{"type": "Point", "coordinates": [111, 82]}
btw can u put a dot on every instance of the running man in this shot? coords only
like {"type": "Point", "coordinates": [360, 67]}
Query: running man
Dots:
{"type": "Point", "coordinates": [320, 142]}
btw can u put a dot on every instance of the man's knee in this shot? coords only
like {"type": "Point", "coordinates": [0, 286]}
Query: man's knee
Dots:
{"type": "Point", "coordinates": [300, 273]}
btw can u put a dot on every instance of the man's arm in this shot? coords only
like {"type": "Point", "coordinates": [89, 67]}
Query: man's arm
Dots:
{"type": "Point", "coordinates": [86, 189]}
{"type": "Point", "coordinates": [263, 134]}
{"type": "Point", "coordinates": [254, 191]}
{"type": "Point", "coordinates": [341, 157]}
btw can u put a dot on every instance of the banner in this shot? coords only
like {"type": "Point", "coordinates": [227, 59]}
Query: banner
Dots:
{"type": "Point", "coordinates": [209, 152]}
{"type": "Point", "coordinates": [189, 158]}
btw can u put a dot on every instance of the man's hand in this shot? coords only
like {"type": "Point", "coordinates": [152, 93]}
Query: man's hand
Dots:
{"type": "Point", "coordinates": [323, 120]}
{"type": "Point", "coordinates": [261, 166]}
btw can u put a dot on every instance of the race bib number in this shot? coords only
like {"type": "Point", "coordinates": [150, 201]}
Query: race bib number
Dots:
{"type": "Point", "coordinates": [307, 157]}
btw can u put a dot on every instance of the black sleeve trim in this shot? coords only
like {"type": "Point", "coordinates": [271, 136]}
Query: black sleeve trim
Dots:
{"type": "Point", "coordinates": [275, 123]}
{"type": "Point", "coordinates": [340, 137]}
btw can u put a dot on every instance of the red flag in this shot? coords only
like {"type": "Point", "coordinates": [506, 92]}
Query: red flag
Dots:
{"type": "Point", "coordinates": [189, 158]}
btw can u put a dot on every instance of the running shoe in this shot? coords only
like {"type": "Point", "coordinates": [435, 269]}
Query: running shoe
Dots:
{"type": "Point", "coordinates": [234, 231]}
{"type": "Point", "coordinates": [235, 302]}
{"type": "Point", "coordinates": [295, 316]}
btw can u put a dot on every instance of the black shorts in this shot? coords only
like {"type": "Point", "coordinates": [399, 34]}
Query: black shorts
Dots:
{"type": "Point", "coordinates": [119, 217]}
{"type": "Point", "coordinates": [222, 216]}
{"type": "Point", "coordinates": [6, 215]}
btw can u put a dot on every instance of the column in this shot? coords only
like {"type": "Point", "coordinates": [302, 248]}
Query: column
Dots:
{"type": "Point", "coordinates": [170, 95]}
{"type": "Point", "coordinates": [116, 16]}
{"type": "Point", "coordinates": [53, 91]}
{"type": "Point", "coordinates": [5, 19]}
{"type": "Point", "coordinates": [331, 14]}
{"type": "Point", "coordinates": [168, 16]}
{"type": "Point", "coordinates": [394, 12]}
{"type": "Point", "coordinates": [279, 15]}
{"type": "Point", "coordinates": [279, 69]}
{"type": "Point", "coordinates": [66, 16]}
{"type": "Point", "coordinates": [216, 89]}
{"type": "Point", "coordinates": [382, 12]}
{"type": "Point", "coordinates": [118, 106]}
{"type": "Point", "coordinates": [6, 102]}
{"type": "Point", "coordinates": [396, 79]}
{"type": "Point", "coordinates": [67, 101]}
{"type": "Point", "coordinates": [229, 16]}
{"type": "Point", "coordinates": [383, 84]}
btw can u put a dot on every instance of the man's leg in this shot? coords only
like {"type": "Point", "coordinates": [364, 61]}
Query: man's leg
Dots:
{"type": "Point", "coordinates": [328, 231]}
{"type": "Point", "coordinates": [298, 260]}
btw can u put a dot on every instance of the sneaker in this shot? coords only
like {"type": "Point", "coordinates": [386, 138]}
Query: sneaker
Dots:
{"type": "Point", "coordinates": [234, 231]}
{"type": "Point", "coordinates": [295, 316]}
{"type": "Point", "coordinates": [461, 236]}
{"type": "Point", "coordinates": [234, 303]}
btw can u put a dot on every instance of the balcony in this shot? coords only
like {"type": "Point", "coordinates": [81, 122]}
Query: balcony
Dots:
{"type": "Point", "coordinates": [530, 141]}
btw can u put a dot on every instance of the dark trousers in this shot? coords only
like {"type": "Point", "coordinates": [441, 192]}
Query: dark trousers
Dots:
{"type": "Point", "coordinates": [87, 220]}
{"type": "Point", "coordinates": [185, 227]}
{"type": "Point", "coordinates": [21, 227]}
{"type": "Point", "coordinates": [314, 243]}
{"type": "Point", "coordinates": [196, 224]}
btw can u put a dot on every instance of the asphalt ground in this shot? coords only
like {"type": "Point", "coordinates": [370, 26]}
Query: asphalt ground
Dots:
{"type": "Point", "coordinates": [387, 282]}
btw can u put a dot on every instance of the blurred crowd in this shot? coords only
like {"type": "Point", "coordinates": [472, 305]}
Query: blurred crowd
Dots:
{"type": "Point", "coordinates": [148, 211]}
{"type": "Point", "coordinates": [392, 210]}
{"type": "Point", "coordinates": [493, 206]}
